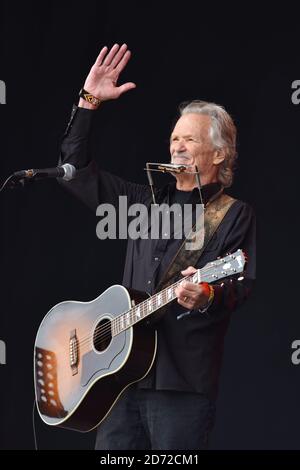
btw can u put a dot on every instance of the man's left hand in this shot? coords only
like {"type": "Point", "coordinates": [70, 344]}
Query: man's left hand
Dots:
{"type": "Point", "coordinates": [189, 295]}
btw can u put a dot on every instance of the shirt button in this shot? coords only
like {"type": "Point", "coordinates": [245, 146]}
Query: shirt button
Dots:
{"type": "Point", "coordinates": [156, 259]}
{"type": "Point", "coordinates": [149, 282]}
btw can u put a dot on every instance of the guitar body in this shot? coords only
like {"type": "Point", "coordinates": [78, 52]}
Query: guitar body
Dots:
{"type": "Point", "coordinates": [81, 368]}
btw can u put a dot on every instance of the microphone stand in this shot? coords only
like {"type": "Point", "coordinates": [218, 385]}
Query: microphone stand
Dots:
{"type": "Point", "coordinates": [13, 182]}
{"type": "Point", "coordinates": [65, 171]}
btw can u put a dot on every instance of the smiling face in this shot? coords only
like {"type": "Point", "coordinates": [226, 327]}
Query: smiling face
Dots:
{"type": "Point", "coordinates": [191, 144]}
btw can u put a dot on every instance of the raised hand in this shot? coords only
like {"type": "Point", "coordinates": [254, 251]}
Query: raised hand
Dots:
{"type": "Point", "coordinates": [104, 74]}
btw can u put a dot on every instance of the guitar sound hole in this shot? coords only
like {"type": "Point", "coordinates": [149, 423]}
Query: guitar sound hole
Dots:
{"type": "Point", "coordinates": [102, 335]}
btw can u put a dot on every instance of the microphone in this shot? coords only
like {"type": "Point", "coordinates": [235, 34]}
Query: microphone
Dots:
{"type": "Point", "coordinates": [66, 172]}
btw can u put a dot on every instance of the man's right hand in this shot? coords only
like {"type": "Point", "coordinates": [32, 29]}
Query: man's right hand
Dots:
{"type": "Point", "coordinates": [102, 79]}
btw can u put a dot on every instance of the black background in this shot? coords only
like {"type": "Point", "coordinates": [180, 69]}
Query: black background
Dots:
{"type": "Point", "coordinates": [243, 59]}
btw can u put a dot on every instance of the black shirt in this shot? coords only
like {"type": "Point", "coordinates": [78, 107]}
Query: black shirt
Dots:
{"type": "Point", "coordinates": [189, 351]}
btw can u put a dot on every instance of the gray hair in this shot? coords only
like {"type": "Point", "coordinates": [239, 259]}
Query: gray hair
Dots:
{"type": "Point", "coordinates": [222, 133]}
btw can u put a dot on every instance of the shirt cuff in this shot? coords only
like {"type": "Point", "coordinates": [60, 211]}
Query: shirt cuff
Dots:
{"type": "Point", "coordinates": [204, 309]}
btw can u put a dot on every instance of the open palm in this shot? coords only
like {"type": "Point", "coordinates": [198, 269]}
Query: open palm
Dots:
{"type": "Point", "coordinates": [103, 77]}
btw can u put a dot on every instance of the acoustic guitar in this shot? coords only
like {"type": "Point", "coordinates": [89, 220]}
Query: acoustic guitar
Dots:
{"type": "Point", "coordinates": [87, 353]}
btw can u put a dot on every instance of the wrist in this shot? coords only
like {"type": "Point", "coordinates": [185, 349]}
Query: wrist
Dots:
{"type": "Point", "coordinates": [209, 294]}
{"type": "Point", "coordinates": [85, 104]}
{"type": "Point", "coordinates": [86, 98]}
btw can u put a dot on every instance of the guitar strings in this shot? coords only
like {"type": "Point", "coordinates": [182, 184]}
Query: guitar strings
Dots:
{"type": "Point", "coordinates": [142, 305]}
{"type": "Point", "coordinates": [105, 332]}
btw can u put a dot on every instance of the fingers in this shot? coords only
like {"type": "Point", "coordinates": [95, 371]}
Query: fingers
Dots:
{"type": "Point", "coordinates": [190, 287]}
{"type": "Point", "coordinates": [118, 55]}
{"type": "Point", "coordinates": [102, 60]}
{"type": "Point", "coordinates": [185, 298]}
{"type": "Point", "coordinates": [187, 291]}
{"type": "Point", "coordinates": [186, 303]}
{"type": "Point", "coordinates": [189, 295]}
{"type": "Point", "coordinates": [188, 271]}
{"type": "Point", "coordinates": [101, 56]}
{"type": "Point", "coordinates": [123, 62]}
{"type": "Point", "coordinates": [126, 86]}
{"type": "Point", "coordinates": [111, 54]}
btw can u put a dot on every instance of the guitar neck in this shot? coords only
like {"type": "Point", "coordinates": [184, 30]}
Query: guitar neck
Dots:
{"type": "Point", "coordinates": [211, 272]}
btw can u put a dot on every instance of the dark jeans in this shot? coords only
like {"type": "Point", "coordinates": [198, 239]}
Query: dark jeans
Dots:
{"type": "Point", "coordinates": [160, 420]}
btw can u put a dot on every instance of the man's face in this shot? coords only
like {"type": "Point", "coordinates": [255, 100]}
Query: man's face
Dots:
{"type": "Point", "coordinates": [190, 144]}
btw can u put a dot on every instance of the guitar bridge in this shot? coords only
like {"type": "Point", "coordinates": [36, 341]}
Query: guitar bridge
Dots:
{"type": "Point", "coordinates": [74, 352]}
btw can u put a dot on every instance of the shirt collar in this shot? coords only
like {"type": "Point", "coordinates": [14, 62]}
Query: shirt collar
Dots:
{"type": "Point", "coordinates": [207, 190]}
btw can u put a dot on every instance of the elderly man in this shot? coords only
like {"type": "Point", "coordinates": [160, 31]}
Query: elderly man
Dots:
{"type": "Point", "coordinates": [173, 407]}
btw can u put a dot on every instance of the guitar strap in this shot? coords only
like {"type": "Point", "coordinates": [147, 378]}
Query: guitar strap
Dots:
{"type": "Point", "coordinates": [214, 212]}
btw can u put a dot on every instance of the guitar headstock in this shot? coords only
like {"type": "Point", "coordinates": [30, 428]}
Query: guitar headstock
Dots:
{"type": "Point", "coordinates": [223, 267]}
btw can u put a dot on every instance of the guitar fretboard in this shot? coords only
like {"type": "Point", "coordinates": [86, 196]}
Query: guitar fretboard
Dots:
{"type": "Point", "coordinates": [149, 306]}
{"type": "Point", "coordinates": [218, 269]}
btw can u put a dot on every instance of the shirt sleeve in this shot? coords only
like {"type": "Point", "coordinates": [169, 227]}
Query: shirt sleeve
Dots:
{"type": "Point", "coordinates": [230, 293]}
{"type": "Point", "coordinates": [92, 185]}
